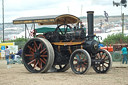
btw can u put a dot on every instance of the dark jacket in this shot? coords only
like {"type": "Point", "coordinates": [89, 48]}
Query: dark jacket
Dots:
{"type": "Point", "coordinates": [19, 52]}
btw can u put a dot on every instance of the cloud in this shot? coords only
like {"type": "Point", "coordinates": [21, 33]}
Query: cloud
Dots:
{"type": "Point", "coordinates": [101, 2]}
{"type": "Point", "coordinates": [22, 8]}
{"type": "Point", "coordinates": [20, 5]}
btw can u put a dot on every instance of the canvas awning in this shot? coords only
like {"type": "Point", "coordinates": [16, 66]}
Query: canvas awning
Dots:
{"type": "Point", "coordinates": [44, 29]}
{"type": "Point", "coordinates": [48, 29]}
{"type": "Point", "coordinates": [48, 20]}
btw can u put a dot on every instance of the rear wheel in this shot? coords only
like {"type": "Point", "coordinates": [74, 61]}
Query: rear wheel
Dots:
{"type": "Point", "coordinates": [80, 61]}
{"type": "Point", "coordinates": [38, 55]}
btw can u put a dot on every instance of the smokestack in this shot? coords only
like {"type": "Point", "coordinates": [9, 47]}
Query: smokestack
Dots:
{"type": "Point", "coordinates": [90, 23]}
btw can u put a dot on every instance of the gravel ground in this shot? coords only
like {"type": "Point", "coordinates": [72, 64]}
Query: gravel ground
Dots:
{"type": "Point", "coordinates": [18, 75]}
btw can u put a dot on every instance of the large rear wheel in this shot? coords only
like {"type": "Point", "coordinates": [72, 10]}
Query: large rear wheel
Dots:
{"type": "Point", "coordinates": [38, 55]}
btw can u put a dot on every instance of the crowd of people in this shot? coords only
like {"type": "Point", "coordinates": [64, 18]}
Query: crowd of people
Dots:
{"type": "Point", "coordinates": [19, 54]}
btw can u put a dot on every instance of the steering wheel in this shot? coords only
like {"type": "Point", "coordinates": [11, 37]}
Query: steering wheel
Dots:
{"type": "Point", "coordinates": [63, 29]}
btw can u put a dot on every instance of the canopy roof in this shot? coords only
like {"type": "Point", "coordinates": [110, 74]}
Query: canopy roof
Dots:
{"type": "Point", "coordinates": [48, 20]}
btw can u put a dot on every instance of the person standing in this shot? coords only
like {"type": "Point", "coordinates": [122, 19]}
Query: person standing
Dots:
{"type": "Point", "coordinates": [124, 53]}
{"type": "Point", "coordinates": [7, 53]}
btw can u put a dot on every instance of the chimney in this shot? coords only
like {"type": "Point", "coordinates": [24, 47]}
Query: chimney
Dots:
{"type": "Point", "coordinates": [90, 24]}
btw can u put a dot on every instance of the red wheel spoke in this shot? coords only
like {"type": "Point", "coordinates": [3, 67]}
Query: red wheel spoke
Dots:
{"type": "Point", "coordinates": [31, 48]}
{"type": "Point", "coordinates": [29, 55]}
{"type": "Point", "coordinates": [34, 48]}
{"type": "Point", "coordinates": [84, 60]}
{"type": "Point", "coordinates": [31, 61]}
{"type": "Point", "coordinates": [85, 63]}
{"type": "Point", "coordinates": [35, 44]}
{"type": "Point", "coordinates": [104, 56]}
{"type": "Point", "coordinates": [106, 62]}
{"type": "Point", "coordinates": [43, 61]}
{"type": "Point", "coordinates": [40, 65]}
{"type": "Point", "coordinates": [36, 64]}
{"type": "Point", "coordinates": [32, 52]}
{"type": "Point", "coordinates": [40, 46]}
{"type": "Point", "coordinates": [42, 50]}
{"type": "Point", "coordinates": [43, 55]}
{"type": "Point", "coordinates": [32, 58]}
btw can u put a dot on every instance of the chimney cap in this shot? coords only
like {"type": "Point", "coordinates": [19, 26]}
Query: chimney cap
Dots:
{"type": "Point", "coordinates": [90, 12]}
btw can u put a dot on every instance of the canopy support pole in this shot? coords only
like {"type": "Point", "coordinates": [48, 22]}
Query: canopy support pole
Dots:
{"type": "Point", "coordinates": [25, 30]}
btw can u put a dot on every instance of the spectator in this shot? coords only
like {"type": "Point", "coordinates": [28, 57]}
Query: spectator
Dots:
{"type": "Point", "coordinates": [18, 55]}
{"type": "Point", "coordinates": [124, 53]}
{"type": "Point", "coordinates": [19, 52]}
{"type": "Point", "coordinates": [7, 53]}
{"type": "Point", "coordinates": [12, 56]}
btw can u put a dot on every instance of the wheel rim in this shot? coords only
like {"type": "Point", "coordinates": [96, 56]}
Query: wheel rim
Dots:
{"type": "Point", "coordinates": [80, 61]}
{"type": "Point", "coordinates": [35, 55]}
{"type": "Point", "coordinates": [105, 61]}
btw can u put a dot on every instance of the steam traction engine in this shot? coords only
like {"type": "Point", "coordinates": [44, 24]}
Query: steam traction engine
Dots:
{"type": "Point", "coordinates": [66, 47]}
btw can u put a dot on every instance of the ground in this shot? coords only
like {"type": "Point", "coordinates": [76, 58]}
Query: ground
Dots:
{"type": "Point", "coordinates": [18, 75]}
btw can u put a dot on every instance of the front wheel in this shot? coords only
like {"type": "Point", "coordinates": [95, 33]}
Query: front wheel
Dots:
{"type": "Point", "coordinates": [103, 61]}
{"type": "Point", "coordinates": [80, 61]}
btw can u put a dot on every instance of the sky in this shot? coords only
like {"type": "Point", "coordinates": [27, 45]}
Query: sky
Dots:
{"type": "Point", "coordinates": [24, 8]}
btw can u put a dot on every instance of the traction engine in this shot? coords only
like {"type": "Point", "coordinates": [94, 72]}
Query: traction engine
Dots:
{"type": "Point", "coordinates": [62, 49]}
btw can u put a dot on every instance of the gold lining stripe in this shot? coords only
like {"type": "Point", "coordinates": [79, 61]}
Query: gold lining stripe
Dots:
{"type": "Point", "coordinates": [67, 43]}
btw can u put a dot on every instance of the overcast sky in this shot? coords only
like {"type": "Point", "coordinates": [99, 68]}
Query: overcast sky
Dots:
{"type": "Point", "coordinates": [24, 8]}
